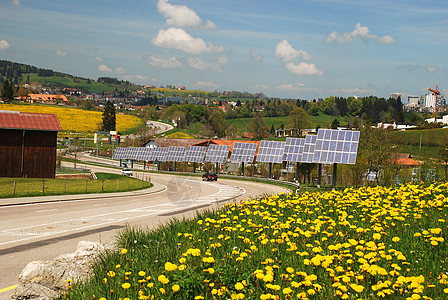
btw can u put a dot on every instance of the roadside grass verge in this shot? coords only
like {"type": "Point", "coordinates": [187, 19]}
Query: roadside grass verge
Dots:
{"type": "Point", "coordinates": [366, 243]}
{"type": "Point", "coordinates": [106, 183]}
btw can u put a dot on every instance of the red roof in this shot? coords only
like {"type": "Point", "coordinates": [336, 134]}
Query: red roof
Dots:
{"type": "Point", "coordinates": [407, 162]}
{"type": "Point", "coordinates": [29, 121]}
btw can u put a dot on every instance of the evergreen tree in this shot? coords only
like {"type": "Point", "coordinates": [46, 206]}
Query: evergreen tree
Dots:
{"type": "Point", "coordinates": [7, 90]}
{"type": "Point", "coordinates": [109, 118]}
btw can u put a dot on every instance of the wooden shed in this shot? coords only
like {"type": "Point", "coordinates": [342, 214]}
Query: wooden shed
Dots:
{"type": "Point", "coordinates": [28, 143]}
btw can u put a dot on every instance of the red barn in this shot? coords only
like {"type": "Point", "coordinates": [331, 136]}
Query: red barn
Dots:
{"type": "Point", "coordinates": [28, 143]}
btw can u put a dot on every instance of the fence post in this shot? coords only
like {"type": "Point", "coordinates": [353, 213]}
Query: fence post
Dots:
{"type": "Point", "coordinates": [43, 186]}
{"type": "Point", "coordinates": [137, 181]}
{"type": "Point", "coordinates": [118, 184]}
{"type": "Point", "coordinates": [14, 192]}
{"type": "Point", "coordinates": [86, 186]}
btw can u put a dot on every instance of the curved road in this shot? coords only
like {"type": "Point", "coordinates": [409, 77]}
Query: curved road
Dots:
{"type": "Point", "coordinates": [42, 231]}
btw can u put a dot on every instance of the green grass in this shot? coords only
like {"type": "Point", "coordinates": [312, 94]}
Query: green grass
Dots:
{"type": "Point", "coordinates": [367, 243]}
{"type": "Point", "coordinates": [322, 120]}
{"type": "Point", "coordinates": [106, 183]}
{"type": "Point", "coordinates": [93, 87]}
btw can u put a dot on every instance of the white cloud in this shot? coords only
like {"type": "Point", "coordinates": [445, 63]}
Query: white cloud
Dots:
{"type": "Point", "coordinates": [206, 84]}
{"type": "Point", "coordinates": [431, 69]}
{"type": "Point", "coordinates": [360, 32]}
{"type": "Point", "coordinates": [99, 59]}
{"type": "Point", "coordinates": [61, 53]}
{"type": "Point", "coordinates": [297, 87]}
{"type": "Point", "coordinates": [303, 69]}
{"type": "Point", "coordinates": [285, 51]}
{"type": "Point", "coordinates": [261, 86]}
{"type": "Point", "coordinates": [16, 2]}
{"type": "Point", "coordinates": [256, 55]}
{"type": "Point", "coordinates": [104, 69]}
{"type": "Point", "coordinates": [179, 39]}
{"type": "Point", "coordinates": [120, 71]}
{"type": "Point", "coordinates": [181, 15]}
{"type": "Point", "coordinates": [135, 78]}
{"type": "Point", "coordinates": [165, 62]}
{"type": "Point", "coordinates": [4, 45]}
{"type": "Point", "coordinates": [210, 25]}
{"type": "Point", "coordinates": [199, 64]}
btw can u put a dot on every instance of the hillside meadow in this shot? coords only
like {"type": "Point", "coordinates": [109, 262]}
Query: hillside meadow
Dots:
{"type": "Point", "coordinates": [75, 119]}
{"type": "Point", "coordinates": [366, 243]}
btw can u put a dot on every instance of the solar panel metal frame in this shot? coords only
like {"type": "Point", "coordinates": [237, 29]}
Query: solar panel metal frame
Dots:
{"type": "Point", "coordinates": [293, 149]}
{"type": "Point", "coordinates": [217, 153]}
{"type": "Point", "coordinates": [336, 146]}
{"type": "Point", "coordinates": [175, 153]}
{"type": "Point", "coordinates": [195, 154]}
{"type": "Point", "coordinates": [243, 152]}
{"type": "Point", "coordinates": [271, 151]}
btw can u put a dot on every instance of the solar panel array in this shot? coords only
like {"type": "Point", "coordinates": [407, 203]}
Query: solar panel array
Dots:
{"type": "Point", "coordinates": [175, 153]}
{"type": "Point", "coordinates": [327, 147]}
{"type": "Point", "coordinates": [336, 146]}
{"type": "Point", "coordinates": [195, 154]}
{"type": "Point", "coordinates": [271, 151]}
{"type": "Point", "coordinates": [217, 153]}
{"type": "Point", "coordinates": [243, 152]}
{"type": "Point", "coordinates": [293, 149]}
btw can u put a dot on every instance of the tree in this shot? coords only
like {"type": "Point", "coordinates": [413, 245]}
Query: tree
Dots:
{"type": "Point", "coordinates": [258, 127]}
{"type": "Point", "coordinates": [217, 123]}
{"type": "Point", "coordinates": [7, 90]}
{"type": "Point", "coordinates": [109, 118]}
{"type": "Point", "coordinates": [335, 124]}
{"type": "Point", "coordinates": [299, 120]}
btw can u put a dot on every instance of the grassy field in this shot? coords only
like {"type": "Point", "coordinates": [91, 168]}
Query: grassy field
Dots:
{"type": "Point", "coordinates": [106, 183]}
{"type": "Point", "coordinates": [242, 124]}
{"type": "Point", "coordinates": [367, 243]}
{"type": "Point", "coordinates": [82, 84]}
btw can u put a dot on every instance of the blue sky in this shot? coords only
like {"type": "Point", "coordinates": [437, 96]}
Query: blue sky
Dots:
{"type": "Point", "coordinates": [294, 49]}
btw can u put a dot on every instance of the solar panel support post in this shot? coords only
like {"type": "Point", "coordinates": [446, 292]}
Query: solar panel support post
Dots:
{"type": "Point", "coordinates": [194, 167]}
{"type": "Point", "coordinates": [175, 166]}
{"type": "Point", "coordinates": [217, 168]}
{"type": "Point", "coordinates": [319, 176]}
{"type": "Point", "coordinates": [270, 170]}
{"type": "Point", "coordinates": [297, 172]}
{"type": "Point", "coordinates": [132, 164]}
{"type": "Point", "coordinates": [242, 168]}
{"type": "Point", "coordinates": [158, 166]}
{"type": "Point", "coordinates": [335, 174]}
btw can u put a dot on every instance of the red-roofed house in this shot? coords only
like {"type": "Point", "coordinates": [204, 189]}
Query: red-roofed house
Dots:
{"type": "Point", "coordinates": [47, 98]}
{"type": "Point", "coordinates": [28, 144]}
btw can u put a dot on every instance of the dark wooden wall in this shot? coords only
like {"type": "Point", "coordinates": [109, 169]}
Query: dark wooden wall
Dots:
{"type": "Point", "coordinates": [39, 153]}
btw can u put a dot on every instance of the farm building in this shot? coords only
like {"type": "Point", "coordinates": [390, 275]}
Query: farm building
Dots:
{"type": "Point", "coordinates": [28, 144]}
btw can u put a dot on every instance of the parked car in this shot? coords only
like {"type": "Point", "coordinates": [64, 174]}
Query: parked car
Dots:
{"type": "Point", "coordinates": [126, 172]}
{"type": "Point", "coordinates": [210, 177]}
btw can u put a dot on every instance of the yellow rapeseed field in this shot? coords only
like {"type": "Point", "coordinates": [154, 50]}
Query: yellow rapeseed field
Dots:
{"type": "Point", "coordinates": [74, 119]}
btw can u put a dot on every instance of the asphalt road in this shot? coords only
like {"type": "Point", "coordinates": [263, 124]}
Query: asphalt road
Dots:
{"type": "Point", "coordinates": [44, 230]}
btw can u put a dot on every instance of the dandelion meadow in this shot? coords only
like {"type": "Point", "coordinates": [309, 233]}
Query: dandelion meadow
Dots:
{"type": "Point", "coordinates": [366, 243]}
{"type": "Point", "coordinates": [75, 119]}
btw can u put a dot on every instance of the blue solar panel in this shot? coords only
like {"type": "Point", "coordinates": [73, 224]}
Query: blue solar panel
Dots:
{"type": "Point", "coordinates": [195, 154]}
{"type": "Point", "coordinates": [332, 144]}
{"type": "Point", "coordinates": [217, 153]}
{"type": "Point", "coordinates": [271, 151]}
{"type": "Point", "coordinates": [243, 152]}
